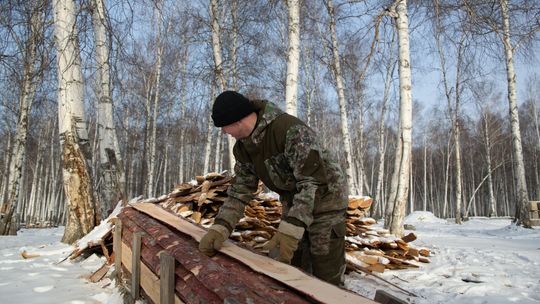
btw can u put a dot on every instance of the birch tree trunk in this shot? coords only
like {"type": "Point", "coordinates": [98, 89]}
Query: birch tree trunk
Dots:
{"type": "Point", "coordinates": [522, 216]}
{"type": "Point", "coordinates": [218, 71]}
{"type": "Point", "coordinates": [32, 74]}
{"type": "Point", "coordinates": [400, 176]}
{"type": "Point", "coordinates": [293, 57]}
{"type": "Point", "coordinates": [152, 164]}
{"type": "Point", "coordinates": [424, 202]}
{"type": "Point", "coordinates": [234, 48]}
{"type": "Point", "coordinates": [353, 188]}
{"type": "Point", "coordinates": [183, 128]}
{"type": "Point", "coordinates": [72, 125]}
{"type": "Point", "coordinates": [453, 110]}
{"type": "Point", "coordinates": [5, 175]}
{"type": "Point", "coordinates": [381, 151]}
{"type": "Point", "coordinates": [217, 158]}
{"type": "Point", "coordinates": [112, 178]}
{"type": "Point", "coordinates": [487, 145]}
{"type": "Point", "coordinates": [141, 186]}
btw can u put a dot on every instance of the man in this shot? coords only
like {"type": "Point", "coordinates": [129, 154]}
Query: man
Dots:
{"type": "Point", "coordinates": [287, 156]}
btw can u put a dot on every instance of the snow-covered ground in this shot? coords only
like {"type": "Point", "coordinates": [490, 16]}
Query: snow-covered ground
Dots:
{"type": "Point", "coordinates": [501, 259]}
{"type": "Point", "coordinates": [42, 279]}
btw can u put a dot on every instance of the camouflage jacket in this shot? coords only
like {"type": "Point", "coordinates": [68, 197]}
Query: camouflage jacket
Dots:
{"type": "Point", "coordinates": [287, 156]}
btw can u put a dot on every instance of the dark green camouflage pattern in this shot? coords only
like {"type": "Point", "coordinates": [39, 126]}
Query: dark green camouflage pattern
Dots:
{"type": "Point", "coordinates": [288, 157]}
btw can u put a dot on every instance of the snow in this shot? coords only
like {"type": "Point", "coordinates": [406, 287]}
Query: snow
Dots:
{"type": "Point", "coordinates": [481, 261]}
{"type": "Point", "coordinates": [43, 279]}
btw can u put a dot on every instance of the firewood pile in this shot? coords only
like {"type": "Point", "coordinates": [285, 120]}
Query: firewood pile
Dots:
{"type": "Point", "coordinates": [368, 248]}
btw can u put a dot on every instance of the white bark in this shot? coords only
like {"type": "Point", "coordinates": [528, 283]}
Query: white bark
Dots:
{"type": "Point", "coordinates": [218, 153]}
{"type": "Point", "coordinates": [487, 144]}
{"type": "Point", "coordinates": [5, 175]}
{"type": "Point", "coordinates": [400, 178]}
{"type": "Point", "coordinates": [112, 177]}
{"type": "Point", "coordinates": [293, 57]}
{"type": "Point", "coordinates": [353, 188]}
{"type": "Point", "coordinates": [522, 216]}
{"type": "Point", "coordinates": [31, 75]}
{"type": "Point", "coordinates": [72, 125]}
{"type": "Point", "coordinates": [183, 86]}
{"type": "Point", "coordinates": [208, 147]}
{"type": "Point", "coordinates": [454, 110]}
{"type": "Point", "coordinates": [379, 197]}
{"type": "Point", "coordinates": [150, 180]}
{"type": "Point", "coordinates": [218, 70]}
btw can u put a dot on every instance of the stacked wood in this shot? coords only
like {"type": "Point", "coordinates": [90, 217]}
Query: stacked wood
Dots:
{"type": "Point", "coordinates": [534, 213]}
{"type": "Point", "coordinates": [375, 249]}
{"type": "Point", "coordinates": [368, 247]}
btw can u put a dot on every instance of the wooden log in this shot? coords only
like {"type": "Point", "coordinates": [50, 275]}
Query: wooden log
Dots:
{"type": "Point", "coordinates": [409, 237]}
{"type": "Point", "coordinates": [97, 275]}
{"type": "Point", "coordinates": [166, 277]}
{"type": "Point", "coordinates": [384, 297]}
{"type": "Point", "coordinates": [204, 279]}
{"type": "Point", "coordinates": [136, 266]}
{"type": "Point", "coordinates": [291, 276]}
{"type": "Point", "coordinates": [187, 286]}
{"type": "Point", "coordinates": [149, 281]}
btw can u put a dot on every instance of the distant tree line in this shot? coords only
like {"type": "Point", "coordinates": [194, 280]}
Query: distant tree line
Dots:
{"type": "Point", "coordinates": [104, 101]}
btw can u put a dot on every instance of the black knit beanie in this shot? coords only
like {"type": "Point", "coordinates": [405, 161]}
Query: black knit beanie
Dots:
{"type": "Point", "coordinates": [230, 107]}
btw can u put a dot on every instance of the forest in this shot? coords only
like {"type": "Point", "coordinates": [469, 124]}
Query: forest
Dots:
{"type": "Point", "coordinates": [430, 105]}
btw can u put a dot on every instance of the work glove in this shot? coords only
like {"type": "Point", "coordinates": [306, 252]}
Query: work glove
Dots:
{"type": "Point", "coordinates": [286, 239]}
{"type": "Point", "coordinates": [213, 239]}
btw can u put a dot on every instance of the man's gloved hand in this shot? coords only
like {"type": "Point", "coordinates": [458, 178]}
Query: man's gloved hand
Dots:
{"type": "Point", "coordinates": [213, 239]}
{"type": "Point", "coordinates": [286, 239]}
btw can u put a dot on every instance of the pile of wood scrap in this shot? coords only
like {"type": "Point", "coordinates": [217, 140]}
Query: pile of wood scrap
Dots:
{"type": "Point", "coordinates": [375, 249]}
{"type": "Point", "coordinates": [368, 248]}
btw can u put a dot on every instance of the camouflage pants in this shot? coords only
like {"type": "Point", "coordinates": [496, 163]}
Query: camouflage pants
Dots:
{"type": "Point", "coordinates": [321, 251]}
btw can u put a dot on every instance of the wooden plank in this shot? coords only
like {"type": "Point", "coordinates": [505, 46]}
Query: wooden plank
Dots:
{"type": "Point", "coordinates": [535, 222]}
{"type": "Point", "coordinates": [117, 248]}
{"type": "Point", "coordinates": [149, 281]}
{"type": "Point", "coordinates": [284, 273]}
{"type": "Point", "coordinates": [99, 274]}
{"type": "Point", "coordinates": [384, 297]}
{"type": "Point", "coordinates": [136, 265]}
{"type": "Point", "coordinates": [166, 276]}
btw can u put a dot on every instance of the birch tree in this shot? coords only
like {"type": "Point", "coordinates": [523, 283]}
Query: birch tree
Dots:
{"type": "Point", "coordinates": [218, 72]}
{"type": "Point", "coordinates": [395, 209]}
{"type": "Point", "coordinates": [32, 73]}
{"type": "Point", "coordinates": [522, 216]}
{"type": "Point", "coordinates": [453, 98]}
{"type": "Point", "coordinates": [73, 133]}
{"type": "Point", "coordinates": [293, 57]}
{"type": "Point", "coordinates": [338, 77]}
{"type": "Point", "coordinates": [381, 151]}
{"type": "Point", "coordinates": [159, 53]}
{"type": "Point", "coordinates": [528, 28]}
{"type": "Point", "coordinates": [111, 170]}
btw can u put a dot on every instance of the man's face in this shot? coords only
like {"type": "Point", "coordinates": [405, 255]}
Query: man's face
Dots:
{"type": "Point", "coordinates": [237, 130]}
